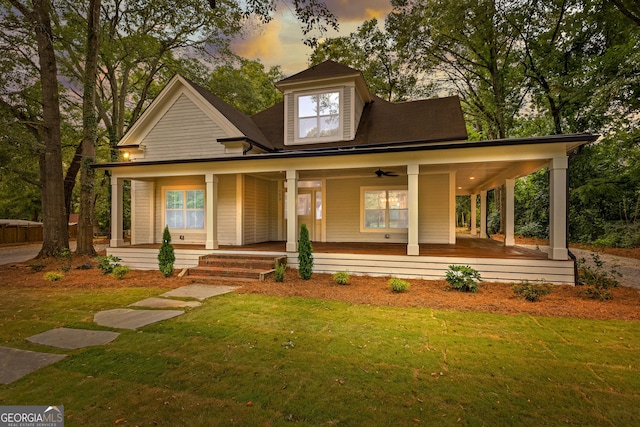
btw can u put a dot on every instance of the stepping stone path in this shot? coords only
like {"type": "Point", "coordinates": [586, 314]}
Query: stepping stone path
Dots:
{"type": "Point", "coordinates": [14, 363]}
{"type": "Point", "coordinates": [165, 303]}
{"type": "Point", "coordinates": [199, 292]}
{"type": "Point", "coordinates": [73, 338]}
{"type": "Point", "coordinates": [126, 318]}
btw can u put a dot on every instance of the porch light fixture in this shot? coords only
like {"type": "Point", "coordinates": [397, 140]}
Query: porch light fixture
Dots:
{"type": "Point", "coordinates": [129, 150]}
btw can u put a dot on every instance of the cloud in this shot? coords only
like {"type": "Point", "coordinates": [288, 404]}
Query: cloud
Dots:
{"type": "Point", "coordinates": [263, 42]}
{"type": "Point", "coordinates": [359, 10]}
{"type": "Point", "coordinates": [280, 41]}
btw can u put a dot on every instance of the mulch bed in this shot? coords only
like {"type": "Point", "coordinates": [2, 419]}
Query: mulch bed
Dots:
{"type": "Point", "coordinates": [563, 301]}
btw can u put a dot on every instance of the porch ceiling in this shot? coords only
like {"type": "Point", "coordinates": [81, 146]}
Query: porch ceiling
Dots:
{"type": "Point", "coordinates": [470, 177]}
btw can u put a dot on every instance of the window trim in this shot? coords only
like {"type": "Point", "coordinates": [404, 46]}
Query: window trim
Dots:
{"type": "Point", "coordinates": [296, 117]}
{"type": "Point", "coordinates": [184, 189]}
{"type": "Point", "coordinates": [387, 229]}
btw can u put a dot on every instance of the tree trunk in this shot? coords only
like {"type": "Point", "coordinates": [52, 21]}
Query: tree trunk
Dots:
{"type": "Point", "coordinates": [89, 133]}
{"type": "Point", "coordinates": [55, 226]}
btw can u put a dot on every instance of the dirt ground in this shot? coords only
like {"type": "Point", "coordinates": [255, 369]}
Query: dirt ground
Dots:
{"type": "Point", "coordinates": [563, 301]}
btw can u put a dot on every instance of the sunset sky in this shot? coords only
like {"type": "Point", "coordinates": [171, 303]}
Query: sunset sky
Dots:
{"type": "Point", "coordinates": [280, 41]}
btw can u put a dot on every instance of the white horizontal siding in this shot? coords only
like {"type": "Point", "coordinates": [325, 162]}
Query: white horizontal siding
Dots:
{"type": "Point", "coordinates": [343, 210]}
{"type": "Point", "coordinates": [406, 267]}
{"type": "Point", "coordinates": [434, 215]}
{"type": "Point", "coordinates": [141, 231]}
{"type": "Point", "coordinates": [184, 132]}
{"type": "Point", "coordinates": [434, 268]}
{"type": "Point", "coordinates": [227, 210]}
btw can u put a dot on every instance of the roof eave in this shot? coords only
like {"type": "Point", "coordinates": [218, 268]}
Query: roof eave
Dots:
{"type": "Point", "coordinates": [573, 141]}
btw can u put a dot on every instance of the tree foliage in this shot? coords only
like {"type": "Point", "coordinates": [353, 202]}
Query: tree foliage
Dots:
{"type": "Point", "coordinates": [374, 52]}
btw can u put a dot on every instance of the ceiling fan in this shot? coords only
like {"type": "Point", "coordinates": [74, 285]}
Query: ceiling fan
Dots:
{"type": "Point", "coordinates": [380, 173]}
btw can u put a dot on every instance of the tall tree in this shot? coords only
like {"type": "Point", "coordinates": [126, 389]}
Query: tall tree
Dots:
{"type": "Point", "coordinates": [55, 229]}
{"type": "Point", "coordinates": [472, 46]}
{"type": "Point", "coordinates": [246, 85]}
{"type": "Point", "coordinates": [374, 52]}
{"type": "Point", "coordinates": [89, 132]}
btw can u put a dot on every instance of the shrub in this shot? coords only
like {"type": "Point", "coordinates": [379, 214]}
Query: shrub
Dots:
{"type": "Point", "coordinates": [120, 271]}
{"type": "Point", "coordinates": [463, 278]}
{"type": "Point", "coordinates": [278, 274]}
{"type": "Point", "coordinates": [531, 291]}
{"type": "Point", "coordinates": [53, 276]}
{"type": "Point", "coordinates": [107, 263]}
{"type": "Point", "coordinates": [65, 256]}
{"type": "Point", "coordinates": [37, 265]}
{"type": "Point", "coordinates": [341, 278]}
{"type": "Point", "coordinates": [166, 256]}
{"type": "Point", "coordinates": [305, 254]}
{"type": "Point", "coordinates": [599, 282]}
{"type": "Point", "coordinates": [398, 285]}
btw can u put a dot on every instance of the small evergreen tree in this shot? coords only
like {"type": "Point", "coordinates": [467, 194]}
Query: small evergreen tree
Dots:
{"type": "Point", "coordinates": [305, 254]}
{"type": "Point", "coordinates": [166, 257]}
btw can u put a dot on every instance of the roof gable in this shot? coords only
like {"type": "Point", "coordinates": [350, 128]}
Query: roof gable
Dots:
{"type": "Point", "coordinates": [233, 123]}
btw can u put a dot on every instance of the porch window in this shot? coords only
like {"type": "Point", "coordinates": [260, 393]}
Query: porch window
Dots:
{"type": "Point", "coordinates": [318, 116]}
{"type": "Point", "coordinates": [384, 209]}
{"type": "Point", "coordinates": [184, 209]}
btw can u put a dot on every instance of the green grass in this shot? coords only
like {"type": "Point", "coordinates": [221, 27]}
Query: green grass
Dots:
{"type": "Point", "coordinates": [318, 362]}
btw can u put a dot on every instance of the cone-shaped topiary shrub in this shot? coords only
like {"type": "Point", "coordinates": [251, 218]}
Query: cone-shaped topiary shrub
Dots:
{"type": "Point", "coordinates": [305, 254]}
{"type": "Point", "coordinates": [166, 257]}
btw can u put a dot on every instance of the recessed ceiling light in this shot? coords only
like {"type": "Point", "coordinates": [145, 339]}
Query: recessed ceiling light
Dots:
{"type": "Point", "coordinates": [472, 177]}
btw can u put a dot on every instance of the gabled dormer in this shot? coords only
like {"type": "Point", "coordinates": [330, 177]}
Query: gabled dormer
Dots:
{"type": "Point", "coordinates": [323, 104]}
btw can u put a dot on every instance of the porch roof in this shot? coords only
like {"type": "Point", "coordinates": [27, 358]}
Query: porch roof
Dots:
{"type": "Point", "coordinates": [571, 140]}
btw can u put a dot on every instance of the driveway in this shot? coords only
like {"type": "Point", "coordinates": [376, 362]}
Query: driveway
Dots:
{"type": "Point", "coordinates": [21, 253]}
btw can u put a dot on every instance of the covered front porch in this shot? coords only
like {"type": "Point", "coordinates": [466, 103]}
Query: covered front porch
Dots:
{"type": "Point", "coordinates": [494, 260]}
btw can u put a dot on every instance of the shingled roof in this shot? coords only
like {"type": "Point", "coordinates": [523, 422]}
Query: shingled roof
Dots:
{"type": "Point", "coordinates": [324, 70]}
{"type": "Point", "coordinates": [383, 123]}
{"type": "Point", "coordinates": [240, 120]}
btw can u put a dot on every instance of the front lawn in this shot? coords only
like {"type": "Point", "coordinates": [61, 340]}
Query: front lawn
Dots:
{"type": "Point", "coordinates": [265, 360]}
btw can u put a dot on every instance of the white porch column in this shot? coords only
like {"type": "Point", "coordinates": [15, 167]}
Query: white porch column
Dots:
{"type": "Point", "coordinates": [472, 220]}
{"type": "Point", "coordinates": [558, 208]}
{"type": "Point", "coordinates": [211, 198]}
{"type": "Point", "coordinates": [292, 212]}
{"type": "Point", "coordinates": [413, 247]}
{"type": "Point", "coordinates": [483, 214]}
{"type": "Point", "coordinates": [452, 208]}
{"type": "Point", "coordinates": [152, 212]}
{"type": "Point", "coordinates": [117, 219]}
{"type": "Point", "coordinates": [509, 238]}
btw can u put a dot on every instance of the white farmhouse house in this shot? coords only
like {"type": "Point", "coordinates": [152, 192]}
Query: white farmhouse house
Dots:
{"type": "Point", "coordinates": [375, 182]}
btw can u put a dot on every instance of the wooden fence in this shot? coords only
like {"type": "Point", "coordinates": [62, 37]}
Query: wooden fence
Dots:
{"type": "Point", "coordinates": [13, 234]}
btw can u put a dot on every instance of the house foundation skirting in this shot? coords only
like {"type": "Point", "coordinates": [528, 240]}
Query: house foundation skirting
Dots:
{"type": "Point", "coordinates": [407, 267]}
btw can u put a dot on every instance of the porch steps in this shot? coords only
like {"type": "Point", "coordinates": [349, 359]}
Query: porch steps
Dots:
{"type": "Point", "coordinates": [236, 266]}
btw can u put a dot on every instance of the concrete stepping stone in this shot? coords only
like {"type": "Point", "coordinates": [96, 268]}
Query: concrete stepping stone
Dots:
{"type": "Point", "coordinates": [73, 338]}
{"type": "Point", "coordinates": [15, 364]}
{"type": "Point", "coordinates": [199, 292]}
{"type": "Point", "coordinates": [165, 303]}
{"type": "Point", "coordinates": [124, 318]}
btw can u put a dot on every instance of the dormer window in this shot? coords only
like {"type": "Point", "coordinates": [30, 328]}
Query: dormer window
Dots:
{"type": "Point", "coordinates": [318, 117]}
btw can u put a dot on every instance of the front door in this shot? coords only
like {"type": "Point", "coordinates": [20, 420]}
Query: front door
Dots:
{"type": "Point", "coordinates": [310, 211]}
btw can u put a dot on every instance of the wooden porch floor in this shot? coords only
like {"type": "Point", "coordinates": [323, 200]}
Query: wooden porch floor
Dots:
{"type": "Point", "coordinates": [465, 247]}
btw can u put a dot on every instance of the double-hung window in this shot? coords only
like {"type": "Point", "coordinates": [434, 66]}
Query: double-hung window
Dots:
{"type": "Point", "coordinates": [384, 209]}
{"type": "Point", "coordinates": [184, 209]}
{"type": "Point", "coordinates": [318, 116]}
